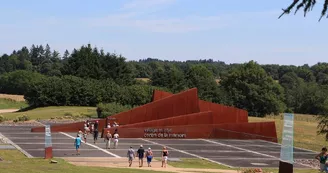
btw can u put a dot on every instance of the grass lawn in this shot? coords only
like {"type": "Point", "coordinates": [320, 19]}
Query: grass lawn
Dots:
{"type": "Point", "coordinates": [6, 103]}
{"type": "Point", "coordinates": [14, 161]}
{"type": "Point", "coordinates": [197, 163]}
{"type": "Point", "coordinates": [53, 112]}
{"type": "Point", "coordinates": [305, 131]}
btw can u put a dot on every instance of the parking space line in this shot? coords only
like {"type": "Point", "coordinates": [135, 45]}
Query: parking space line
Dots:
{"type": "Point", "coordinates": [16, 146]}
{"type": "Point", "coordinates": [94, 146]}
{"type": "Point", "coordinates": [184, 152]}
{"type": "Point", "coordinates": [254, 152]}
{"type": "Point", "coordinates": [294, 146]}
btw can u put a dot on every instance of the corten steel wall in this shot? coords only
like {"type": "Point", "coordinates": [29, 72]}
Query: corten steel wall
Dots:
{"type": "Point", "coordinates": [157, 95]}
{"type": "Point", "coordinates": [223, 114]}
{"type": "Point", "coordinates": [189, 119]}
{"type": "Point", "coordinates": [258, 130]}
{"type": "Point", "coordinates": [179, 104]}
{"type": "Point", "coordinates": [71, 127]}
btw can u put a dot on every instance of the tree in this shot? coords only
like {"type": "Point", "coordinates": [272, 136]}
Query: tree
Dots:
{"type": "Point", "coordinates": [294, 91]}
{"type": "Point", "coordinates": [200, 77]}
{"type": "Point", "coordinates": [251, 88]}
{"type": "Point", "coordinates": [307, 6]}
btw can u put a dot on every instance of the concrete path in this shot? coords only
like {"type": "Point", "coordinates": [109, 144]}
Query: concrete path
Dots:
{"type": "Point", "coordinates": [123, 163]}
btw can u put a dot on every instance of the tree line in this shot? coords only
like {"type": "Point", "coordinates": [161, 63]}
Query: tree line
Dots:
{"type": "Point", "coordinates": [88, 76]}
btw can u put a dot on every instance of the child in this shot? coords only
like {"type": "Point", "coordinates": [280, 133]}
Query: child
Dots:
{"type": "Point", "coordinates": [77, 144]}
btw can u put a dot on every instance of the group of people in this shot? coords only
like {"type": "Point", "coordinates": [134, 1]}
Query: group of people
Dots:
{"type": "Point", "coordinates": [141, 154]}
{"type": "Point", "coordinates": [93, 128]}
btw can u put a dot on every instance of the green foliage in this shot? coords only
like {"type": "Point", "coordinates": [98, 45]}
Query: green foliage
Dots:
{"type": "Point", "coordinates": [17, 82]}
{"type": "Point", "coordinates": [200, 77]}
{"type": "Point", "coordinates": [307, 6]}
{"type": "Point", "coordinates": [251, 88]}
{"type": "Point", "coordinates": [2, 119]}
{"type": "Point", "coordinates": [108, 109]}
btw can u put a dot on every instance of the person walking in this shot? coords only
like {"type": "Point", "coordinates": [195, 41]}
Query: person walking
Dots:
{"type": "Point", "coordinates": [141, 155]}
{"type": "Point", "coordinates": [322, 157]}
{"type": "Point", "coordinates": [131, 155]}
{"type": "Point", "coordinates": [116, 136]}
{"type": "Point", "coordinates": [95, 132]}
{"type": "Point", "coordinates": [149, 156]}
{"type": "Point", "coordinates": [165, 155]}
{"type": "Point", "coordinates": [85, 135]}
{"type": "Point", "coordinates": [77, 143]}
{"type": "Point", "coordinates": [107, 139]}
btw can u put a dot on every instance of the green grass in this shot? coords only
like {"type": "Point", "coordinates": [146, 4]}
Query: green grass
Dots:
{"type": "Point", "coordinates": [14, 161]}
{"type": "Point", "coordinates": [305, 131]}
{"type": "Point", "coordinates": [53, 112]}
{"type": "Point", "coordinates": [6, 103]}
{"type": "Point", "coordinates": [197, 163]}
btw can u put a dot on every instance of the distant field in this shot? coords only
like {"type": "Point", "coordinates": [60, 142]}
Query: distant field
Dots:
{"type": "Point", "coordinates": [305, 131]}
{"type": "Point", "coordinates": [53, 112]}
{"type": "Point", "coordinates": [13, 97]}
{"type": "Point", "coordinates": [6, 103]}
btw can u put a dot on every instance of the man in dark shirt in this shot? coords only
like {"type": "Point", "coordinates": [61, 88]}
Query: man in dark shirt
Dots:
{"type": "Point", "coordinates": [95, 133]}
{"type": "Point", "coordinates": [141, 154]}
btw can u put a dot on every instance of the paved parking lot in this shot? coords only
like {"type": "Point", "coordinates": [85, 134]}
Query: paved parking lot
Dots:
{"type": "Point", "coordinates": [234, 153]}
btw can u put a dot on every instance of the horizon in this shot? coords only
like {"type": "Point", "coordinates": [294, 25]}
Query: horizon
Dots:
{"type": "Point", "coordinates": [232, 32]}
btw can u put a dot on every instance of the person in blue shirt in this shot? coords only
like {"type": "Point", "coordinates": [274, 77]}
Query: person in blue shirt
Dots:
{"type": "Point", "coordinates": [77, 144]}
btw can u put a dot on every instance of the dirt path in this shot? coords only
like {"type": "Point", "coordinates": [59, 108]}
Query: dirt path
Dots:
{"type": "Point", "coordinates": [122, 163]}
{"type": "Point", "coordinates": [8, 110]}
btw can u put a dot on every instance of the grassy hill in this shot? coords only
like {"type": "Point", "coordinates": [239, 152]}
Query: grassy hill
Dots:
{"type": "Point", "coordinates": [53, 112]}
{"type": "Point", "coordinates": [305, 130]}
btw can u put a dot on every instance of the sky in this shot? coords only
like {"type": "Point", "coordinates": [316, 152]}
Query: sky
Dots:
{"type": "Point", "coordinates": [233, 31]}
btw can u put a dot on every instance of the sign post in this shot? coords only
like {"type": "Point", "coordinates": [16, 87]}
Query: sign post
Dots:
{"type": "Point", "coordinates": [286, 153]}
{"type": "Point", "coordinates": [48, 143]}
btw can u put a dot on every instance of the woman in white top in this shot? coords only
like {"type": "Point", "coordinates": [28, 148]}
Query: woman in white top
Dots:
{"type": "Point", "coordinates": [116, 136]}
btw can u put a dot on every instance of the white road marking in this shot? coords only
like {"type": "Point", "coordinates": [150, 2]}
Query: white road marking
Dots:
{"type": "Point", "coordinates": [94, 146]}
{"type": "Point", "coordinates": [231, 146]}
{"type": "Point", "coordinates": [16, 146]}
{"type": "Point", "coordinates": [181, 151]}
{"type": "Point", "coordinates": [254, 152]}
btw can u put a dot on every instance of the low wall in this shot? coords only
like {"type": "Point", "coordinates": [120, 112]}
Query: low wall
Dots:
{"type": "Point", "coordinates": [257, 130]}
{"type": "Point", "coordinates": [189, 119]}
{"type": "Point", "coordinates": [70, 127]}
{"type": "Point", "coordinates": [179, 104]}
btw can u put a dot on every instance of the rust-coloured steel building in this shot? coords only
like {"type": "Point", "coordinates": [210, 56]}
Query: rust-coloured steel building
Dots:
{"type": "Point", "coordinates": [181, 115]}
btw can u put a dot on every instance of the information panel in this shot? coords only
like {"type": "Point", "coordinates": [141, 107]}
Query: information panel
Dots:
{"type": "Point", "coordinates": [286, 153]}
{"type": "Point", "coordinates": [48, 142]}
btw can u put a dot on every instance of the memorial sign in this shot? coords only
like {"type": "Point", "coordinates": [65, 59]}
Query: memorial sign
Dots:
{"type": "Point", "coordinates": [48, 143]}
{"type": "Point", "coordinates": [162, 133]}
{"type": "Point", "coordinates": [286, 153]}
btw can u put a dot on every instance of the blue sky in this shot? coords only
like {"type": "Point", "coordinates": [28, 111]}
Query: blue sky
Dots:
{"type": "Point", "coordinates": [233, 31]}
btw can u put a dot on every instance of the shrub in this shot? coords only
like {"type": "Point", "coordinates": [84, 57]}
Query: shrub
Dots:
{"type": "Point", "coordinates": [2, 119]}
{"type": "Point", "coordinates": [23, 118]}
